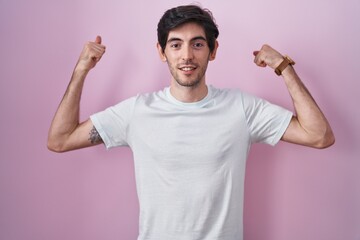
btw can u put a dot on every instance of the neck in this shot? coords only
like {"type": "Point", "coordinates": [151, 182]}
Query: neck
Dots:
{"type": "Point", "coordinates": [188, 94]}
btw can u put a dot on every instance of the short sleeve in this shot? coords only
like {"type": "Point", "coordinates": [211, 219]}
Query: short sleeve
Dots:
{"type": "Point", "coordinates": [113, 122]}
{"type": "Point", "coordinates": [267, 122]}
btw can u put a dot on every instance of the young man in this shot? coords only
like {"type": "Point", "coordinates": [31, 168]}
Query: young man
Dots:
{"type": "Point", "coordinates": [190, 141]}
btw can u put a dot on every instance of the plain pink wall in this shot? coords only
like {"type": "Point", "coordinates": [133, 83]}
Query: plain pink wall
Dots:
{"type": "Point", "coordinates": [292, 192]}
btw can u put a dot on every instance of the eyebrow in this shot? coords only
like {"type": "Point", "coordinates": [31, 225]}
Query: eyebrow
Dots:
{"type": "Point", "coordinates": [193, 39]}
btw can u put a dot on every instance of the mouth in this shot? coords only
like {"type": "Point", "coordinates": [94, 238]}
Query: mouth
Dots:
{"type": "Point", "coordinates": [187, 69]}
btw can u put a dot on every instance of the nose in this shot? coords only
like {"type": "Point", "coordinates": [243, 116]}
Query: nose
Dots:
{"type": "Point", "coordinates": [187, 53]}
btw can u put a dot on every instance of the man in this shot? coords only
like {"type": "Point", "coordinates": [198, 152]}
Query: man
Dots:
{"type": "Point", "coordinates": [190, 141]}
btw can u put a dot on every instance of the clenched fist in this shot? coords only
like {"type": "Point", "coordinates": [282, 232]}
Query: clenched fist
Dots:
{"type": "Point", "coordinates": [267, 56]}
{"type": "Point", "coordinates": [91, 54]}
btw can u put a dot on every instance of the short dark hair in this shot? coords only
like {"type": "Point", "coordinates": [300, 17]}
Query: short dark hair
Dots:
{"type": "Point", "coordinates": [177, 16]}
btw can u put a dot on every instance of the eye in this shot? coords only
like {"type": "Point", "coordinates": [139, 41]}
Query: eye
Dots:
{"type": "Point", "coordinates": [198, 45]}
{"type": "Point", "coordinates": [175, 45]}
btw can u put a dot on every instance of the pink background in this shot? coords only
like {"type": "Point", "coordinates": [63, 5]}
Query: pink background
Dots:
{"type": "Point", "coordinates": [292, 192]}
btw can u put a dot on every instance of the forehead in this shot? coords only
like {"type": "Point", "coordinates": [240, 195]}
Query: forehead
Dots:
{"type": "Point", "coordinates": [187, 31]}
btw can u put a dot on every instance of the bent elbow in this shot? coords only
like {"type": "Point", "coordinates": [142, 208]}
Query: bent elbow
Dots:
{"type": "Point", "coordinates": [326, 141]}
{"type": "Point", "coordinates": [55, 146]}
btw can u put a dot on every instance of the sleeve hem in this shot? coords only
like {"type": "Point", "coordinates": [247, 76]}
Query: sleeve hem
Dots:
{"type": "Point", "coordinates": [284, 125]}
{"type": "Point", "coordinates": [101, 132]}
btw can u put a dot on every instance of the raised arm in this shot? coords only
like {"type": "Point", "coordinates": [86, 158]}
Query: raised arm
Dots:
{"type": "Point", "coordinates": [309, 125]}
{"type": "Point", "coordinates": [66, 132]}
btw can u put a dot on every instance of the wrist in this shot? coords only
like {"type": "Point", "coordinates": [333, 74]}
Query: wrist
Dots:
{"type": "Point", "coordinates": [284, 64]}
{"type": "Point", "coordinates": [288, 71]}
{"type": "Point", "coordinates": [81, 69]}
{"type": "Point", "coordinates": [79, 75]}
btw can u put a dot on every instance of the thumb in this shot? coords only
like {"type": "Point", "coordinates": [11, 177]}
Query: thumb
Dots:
{"type": "Point", "coordinates": [98, 40]}
{"type": "Point", "coordinates": [255, 53]}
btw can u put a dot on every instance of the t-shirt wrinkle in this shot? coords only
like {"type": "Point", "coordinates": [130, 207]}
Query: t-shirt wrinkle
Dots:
{"type": "Point", "coordinates": [190, 159]}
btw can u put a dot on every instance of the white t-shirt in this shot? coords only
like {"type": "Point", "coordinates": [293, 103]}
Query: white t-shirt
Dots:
{"type": "Point", "coordinates": [190, 158]}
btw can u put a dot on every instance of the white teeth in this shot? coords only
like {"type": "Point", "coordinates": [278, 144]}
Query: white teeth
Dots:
{"type": "Point", "coordinates": [187, 68]}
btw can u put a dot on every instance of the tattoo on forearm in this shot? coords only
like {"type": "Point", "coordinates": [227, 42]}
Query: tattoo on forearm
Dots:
{"type": "Point", "coordinates": [95, 136]}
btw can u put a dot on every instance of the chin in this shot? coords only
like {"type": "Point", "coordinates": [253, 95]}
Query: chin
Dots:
{"type": "Point", "coordinates": [189, 84]}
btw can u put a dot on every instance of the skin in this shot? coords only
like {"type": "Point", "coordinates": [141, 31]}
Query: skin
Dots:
{"type": "Point", "coordinates": [309, 126]}
{"type": "Point", "coordinates": [187, 55]}
{"type": "Point", "coordinates": [187, 48]}
{"type": "Point", "coordinates": [66, 132]}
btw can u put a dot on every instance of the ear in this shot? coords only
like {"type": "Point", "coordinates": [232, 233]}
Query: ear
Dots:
{"type": "Point", "coordinates": [161, 53]}
{"type": "Point", "coordinates": [213, 53]}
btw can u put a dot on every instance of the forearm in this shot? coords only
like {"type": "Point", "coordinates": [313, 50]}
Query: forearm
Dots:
{"type": "Point", "coordinates": [309, 126]}
{"type": "Point", "coordinates": [308, 114]}
{"type": "Point", "coordinates": [66, 132]}
{"type": "Point", "coordinates": [66, 118]}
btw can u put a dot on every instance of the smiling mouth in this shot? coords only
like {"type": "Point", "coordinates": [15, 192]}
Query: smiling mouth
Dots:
{"type": "Point", "coordinates": [187, 68]}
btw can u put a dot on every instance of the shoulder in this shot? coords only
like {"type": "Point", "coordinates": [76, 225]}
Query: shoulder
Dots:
{"type": "Point", "coordinates": [140, 98]}
{"type": "Point", "coordinates": [233, 94]}
{"type": "Point", "coordinates": [149, 98]}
